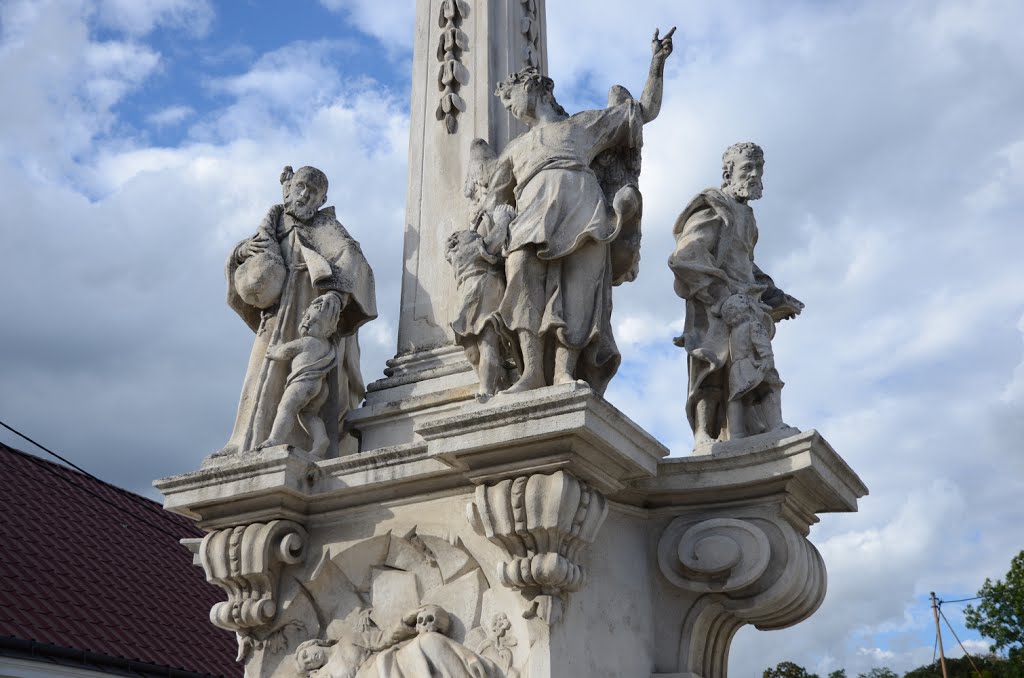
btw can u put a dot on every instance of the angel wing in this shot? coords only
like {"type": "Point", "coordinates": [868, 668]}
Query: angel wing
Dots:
{"type": "Point", "coordinates": [618, 173]}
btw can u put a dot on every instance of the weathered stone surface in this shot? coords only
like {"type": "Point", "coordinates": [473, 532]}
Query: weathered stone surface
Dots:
{"type": "Point", "coordinates": [538, 532]}
{"type": "Point", "coordinates": [731, 308]}
{"type": "Point", "coordinates": [561, 257]}
{"type": "Point", "coordinates": [461, 50]}
{"type": "Point", "coordinates": [302, 285]}
{"type": "Point", "coordinates": [644, 565]}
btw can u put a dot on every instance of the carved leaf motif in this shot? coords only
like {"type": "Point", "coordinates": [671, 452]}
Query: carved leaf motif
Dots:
{"type": "Point", "coordinates": [530, 56]}
{"type": "Point", "coordinates": [445, 76]}
{"type": "Point", "coordinates": [450, 40]}
{"type": "Point", "coordinates": [451, 123]}
{"type": "Point", "coordinates": [449, 11]}
{"type": "Point", "coordinates": [460, 73]}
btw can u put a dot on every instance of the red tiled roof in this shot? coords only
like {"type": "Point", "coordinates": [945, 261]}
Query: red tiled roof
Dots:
{"type": "Point", "coordinates": [88, 566]}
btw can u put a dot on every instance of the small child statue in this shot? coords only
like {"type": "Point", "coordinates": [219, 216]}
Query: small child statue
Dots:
{"type": "Point", "coordinates": [480, 281]}
{"type": "Point", "coordinates": [755, 399]}
{"type": "Point", "coordinates": [313, 356]}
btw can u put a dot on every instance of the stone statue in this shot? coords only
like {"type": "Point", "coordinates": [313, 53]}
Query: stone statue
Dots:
{"type": "Point", "coordinates": [301, 265]}
{"type": "Point", "coordinates": [480, 280]}
{"type": "Point", "coordinates": [312, 356]}
{"type": "Point", "coordinates": [563, 250]}
{"type": "Point", "coordinates": [731, 307]}
{"type": "Point", "coordinates": [754, 384]}
{"type": "Point", "coordinates": [420, 647]}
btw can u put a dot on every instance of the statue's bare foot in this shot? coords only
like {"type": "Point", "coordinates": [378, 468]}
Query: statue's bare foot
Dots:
{"type": "Point", "coordinates": [526, 383]}
{"type": "Point", "coordinates": [701, 439]}
{"type": "Point", "coordinates": [269, 442]}
{"type": "Point", "coordinates": [564, 378]}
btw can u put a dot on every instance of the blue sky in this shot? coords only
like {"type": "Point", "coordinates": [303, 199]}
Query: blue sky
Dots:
{"type": "Point", "coordinates": [141, 139]}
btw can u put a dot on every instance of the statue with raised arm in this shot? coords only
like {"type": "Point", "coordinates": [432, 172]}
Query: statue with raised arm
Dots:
{"type": "Point", "coordinates": [302, 285]}
{"type": "Point", "coordinates": [731, 307]}
{"type": "Point", "coordinates": [572, 182]}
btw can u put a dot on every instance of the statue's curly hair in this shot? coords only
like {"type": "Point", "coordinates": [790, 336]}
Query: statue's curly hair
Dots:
{"type": "Point", "coordinates": [736, 151]}
{"type": "Point", "coordinates": [531, 78]}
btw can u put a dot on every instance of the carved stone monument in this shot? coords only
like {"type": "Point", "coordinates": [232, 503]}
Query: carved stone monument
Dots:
{"type": "Point", "coordinates": [534, 533]}
{"type": "Point", "coordinates": [731, 309]}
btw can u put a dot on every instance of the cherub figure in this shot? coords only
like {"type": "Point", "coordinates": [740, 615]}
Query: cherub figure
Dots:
{"type": "Point", "coordinates": [755, 399]}
{"type": "Point", "coordinates": [480, 280]}
{"type": "Point", "coordinates": [313, 356]}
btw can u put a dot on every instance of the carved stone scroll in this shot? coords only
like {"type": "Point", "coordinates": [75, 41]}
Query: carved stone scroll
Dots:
{"type": "Point", "coordinates": [543, 522]}
{"type": "Point", "coordinates": [452, 74]}
{"type": "Point", "coordinates": [752, 570]}
{"type": "Point", "coordinates": [246, 561]}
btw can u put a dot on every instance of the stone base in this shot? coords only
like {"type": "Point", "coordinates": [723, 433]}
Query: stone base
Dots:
{"type": "Point", "coordinates": [548, 525]}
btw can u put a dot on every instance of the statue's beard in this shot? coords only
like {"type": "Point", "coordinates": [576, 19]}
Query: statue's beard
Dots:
{"type": "Point", "coordinates": [748, 190]}
{"type": "Point", "coordinates": [300, 212]}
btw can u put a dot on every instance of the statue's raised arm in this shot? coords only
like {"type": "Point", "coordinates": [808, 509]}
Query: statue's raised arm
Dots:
{"type": "Point", "coordinates": [570, 184]}
{"type": "Point", "coordinates": [650, 100]}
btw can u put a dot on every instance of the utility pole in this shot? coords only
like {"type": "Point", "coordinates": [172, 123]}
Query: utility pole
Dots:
{"type": "Point", "coordinates": [942, 655]}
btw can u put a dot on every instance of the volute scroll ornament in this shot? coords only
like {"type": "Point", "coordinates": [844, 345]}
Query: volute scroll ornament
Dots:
{"type": "Point", "coordinates": [246, 561]}
{"type": "Point", "coordinates": [752, 569]}
{"type": "Point", "coordinates": [717, 555]}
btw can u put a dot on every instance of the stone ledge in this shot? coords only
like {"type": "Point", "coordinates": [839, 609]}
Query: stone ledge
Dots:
{"type": "Point", "coordinates": [565, 426]}
{"type": "Point", "coordinates": [803, 466]}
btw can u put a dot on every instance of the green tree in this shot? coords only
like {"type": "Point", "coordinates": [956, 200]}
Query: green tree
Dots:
{"type": "Point", "coordinates": [1000, 614]}
{"type": "Point", "coordinates": [879, 673]}
{"type": "Point", "coordinates": [788, 670]}
{"type": "Point", "coordinates": [990, 666]}
{"type": "Point", "coordinates": [838, 673]}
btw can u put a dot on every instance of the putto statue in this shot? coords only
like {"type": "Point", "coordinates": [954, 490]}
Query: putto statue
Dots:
{"type": "Point", "coordinates": [302, 285]}
{"type": "Point", "coordinates": [731, 307]}
{"type": "Point", "coordinates": [572, 182]}
{"type": "Point", "coordinates": [480, 281]}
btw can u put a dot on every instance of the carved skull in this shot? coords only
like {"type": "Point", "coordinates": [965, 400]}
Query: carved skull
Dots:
{"type": "Point", "coordinates": [431, 619]}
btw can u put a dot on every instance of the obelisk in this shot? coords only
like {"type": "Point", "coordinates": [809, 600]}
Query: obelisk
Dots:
{"type": "Point", "coordinates": [462, 50]}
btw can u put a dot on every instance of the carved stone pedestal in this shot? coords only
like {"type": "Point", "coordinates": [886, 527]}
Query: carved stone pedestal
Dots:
{"type": "Point", "coordinates": [541, 534]}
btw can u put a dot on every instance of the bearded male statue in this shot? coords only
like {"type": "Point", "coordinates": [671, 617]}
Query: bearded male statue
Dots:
{"type": "Point", "coordinates": [713, 262]}
{"type": "Point", "coordinates": [299, 254]}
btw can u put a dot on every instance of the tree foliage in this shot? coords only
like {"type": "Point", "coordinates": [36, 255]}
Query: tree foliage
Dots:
{"type": "Point", "coordinates": [1000, 614]}
{"type": "Point", "coordinates": [838, 673]}
{"type": "Point", "coordinates": [788, 670]}
{"type": "Point", "coordinates": [879, 673]}
{"type": "Point", "coordinates": [990, 666]}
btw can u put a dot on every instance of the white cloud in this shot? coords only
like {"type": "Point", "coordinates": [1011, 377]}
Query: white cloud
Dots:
{"type": "Point", "coordinates": [389, 22]}
{"type": "Point", "coordinates": [139, 17]}
{"type": "Point", "coordinates": [170, 116]}
{"type": "Point", "coordinates": [64, 82]}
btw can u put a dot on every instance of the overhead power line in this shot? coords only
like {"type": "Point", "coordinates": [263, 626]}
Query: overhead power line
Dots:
{"type": "Point", "coordinates": [129, 495]}
{"type": "Point", "coordinates": [961, 600]}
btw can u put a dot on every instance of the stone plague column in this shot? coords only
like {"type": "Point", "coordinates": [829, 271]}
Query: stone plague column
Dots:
{"type": "Point", "coordinates": [462, 50]}
{"type": "Point", "coordinates": [538, 534]}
